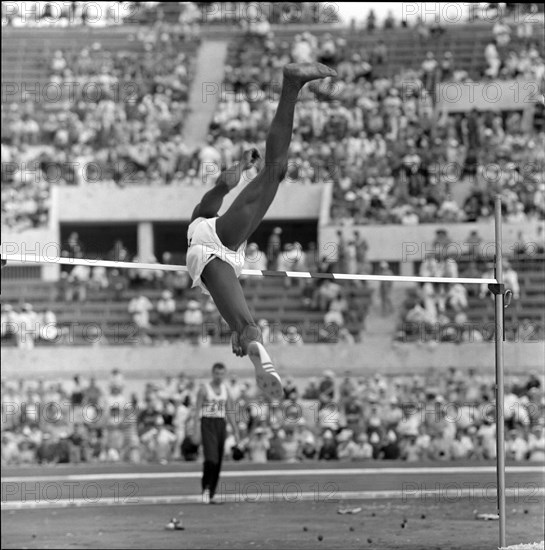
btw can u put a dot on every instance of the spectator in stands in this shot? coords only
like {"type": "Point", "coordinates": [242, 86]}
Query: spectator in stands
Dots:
{"type": "Point", "coordinates": [516, 446]}
{"type": "Point", "coordinates": [326, 292]}
{"type": "Point", "coordinates": [290, 389]}
{"type": "Point", "coordinates": [327, 388]}
{"type": "Point", "coordinates": [429, 71]}
{"type": "Point", "coordinates": [389, 21]}
{"type": "Point", "coordinates": [353, 411]}
{"type": "Point", "coordinates": [380, 53]}
{"type": "Point", "coordinates": [290, 446]}
{"type": "Point", "coordinates": [48, 326]}
{"type": "Point", "coordinates": [502, 33]}
{"type": "Point", "coordinates": [312, 390]}
{"type": "Point", "coordinates": [350, 257]}
{"type": "Point", "coordinates": [536, 444]}
{"type": "Point", "coordinates": [79, 280]}
{"type": "Point", "coordinates": [159, 442]}
{"type": "Point", "coordinates": [462, 446]}
{"type": "Point", "coordinates": [362, 248]}
{"type": "Point", "coordinates": [419, 316]}
{"type": "Point", "coordinates": [212, 320]}
{"type": "Point", "coordinates": [307, 447]}
{"type": "Point", "coordinates": [254, 258]}
{"type": "Point", "coordinates": [410, 451]}
{"type": "Point", "coordinates": [449, 210]}
{"type": "Point", "coordinates": [457, 298]}
{"type": "Point", "coordinates": [166, 306]}
{"type": "Point", "coordinates": [390, 449]}
{"type": "Point", "coordinates": [422, 30]}
{"type": "Point", "coordinates": [145, 278]}
{"type": "Point", "coordinates": [337, 309]}
{"type": "Point", "coordinates": [347, 446]}
{"type": "Point", "coordinates": [79, 445]}
{"type": "Point", "coordinates": [371, 21]}
{"type": "Point", "coordinates": [293, 336]}
{"type": "Point", "coordinates": [258, 446]}
{"type": "Point", "coordinates": [328, 449]}
{"type": "Point", "coordinates": [99, 279]}
{"type": "Point", "coordinates": [116, 383]}
{"type": "Point", "coordinates": [474, 244]}
{"type": "Point", "coordinates": [92, 395]}
{"type": "Point", "coordinates": [118, 283]}
{"type": "Point", "coordinates": [301, 51]}
{"type": "Point", "coordinates": [28, 326]}
{"type": "Point", "coordinates": [493, 61]}
{"type": "Point", "coordinates": [139, 307]}
{"type": "Point", "coordinates": [426, 314]}
{"type": "Point", "coordinates": [274, 246]}
{"type": "Point", "coordinates": [74, 246]}
{"type": "Point", "coordinates": [9, 322]}
{"type": "Point", "coordinates": [385, 289]}
{"type": "Point", "coordinates": [446, 67]}
{"type": "Point", "coordinates": [276, 447]}
{"type": "Point", "coordinates": [441, 243]}
{"type": "Point", "coordinates": [363, 450]}
{"type": "Point", "coordinates": [287, 260]}
{"type": "Point", "coordinates": [438, 437]}
{"type": "Point", "coordinates": [193, 319]}
{"type": "Point", "coordinates": [486, 440]}
{"type": "Point", "coordinates": [58, 63]}
{"type": "Point", "coordinates": [118, 253]}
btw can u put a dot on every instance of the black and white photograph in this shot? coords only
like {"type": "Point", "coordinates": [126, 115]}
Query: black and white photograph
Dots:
{"type": "Point", "coordinates": [273, 275]}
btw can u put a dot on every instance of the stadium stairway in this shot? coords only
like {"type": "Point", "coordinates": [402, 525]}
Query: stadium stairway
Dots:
{"type": "Point", "coordinates": [205, 90]}
{"type": "Point", "coordinates": [377, 324]}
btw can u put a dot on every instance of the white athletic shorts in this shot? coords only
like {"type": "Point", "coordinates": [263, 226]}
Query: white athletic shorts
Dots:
{"type": "Point", "coordinates": [204, 246]}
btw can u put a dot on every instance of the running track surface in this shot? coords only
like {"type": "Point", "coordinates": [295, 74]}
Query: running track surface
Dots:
{"type": "Point", "coordinates": [403, 506]}
{"type": "Point", "coordinates": [116, 485]}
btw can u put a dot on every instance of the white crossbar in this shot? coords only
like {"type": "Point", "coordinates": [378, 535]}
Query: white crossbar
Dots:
{"type": "Point", "coordinates": [20, 258]}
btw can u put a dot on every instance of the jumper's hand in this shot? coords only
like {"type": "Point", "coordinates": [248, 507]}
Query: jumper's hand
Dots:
{"type": "Point", "coordinates": [235, 343]}
{"type": "Point", "coordinates": [250, 158]}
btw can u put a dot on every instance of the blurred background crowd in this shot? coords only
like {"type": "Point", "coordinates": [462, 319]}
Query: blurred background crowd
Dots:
{"type": "Point", "coordinates": [377, 136]}
{"type": "Point", "coordinates": [440, 416]}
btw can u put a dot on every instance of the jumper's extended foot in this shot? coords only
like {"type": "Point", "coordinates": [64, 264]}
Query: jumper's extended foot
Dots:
{"type": "Point", "coordinates": [301, 73]}
{"type": "Point", "coordinates": [266, 376]}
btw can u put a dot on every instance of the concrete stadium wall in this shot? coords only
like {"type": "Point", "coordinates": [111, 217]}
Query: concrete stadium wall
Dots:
{"type": "Point", "coordinates": [408, 244]}
{"type": "Point", "coordinates": [497, 95]}
{"type": "Point", "coordinates": [299, 362]}
{"type": "Point", "coordinates": [106, 203]}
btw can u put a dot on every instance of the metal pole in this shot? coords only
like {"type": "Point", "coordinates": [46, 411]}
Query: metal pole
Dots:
{"type": "Point", "coordinates": [500, 424]}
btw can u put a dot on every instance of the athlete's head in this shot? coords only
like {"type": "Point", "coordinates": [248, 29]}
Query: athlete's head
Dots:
{"type": "Point", "coordinates": [218, 373]}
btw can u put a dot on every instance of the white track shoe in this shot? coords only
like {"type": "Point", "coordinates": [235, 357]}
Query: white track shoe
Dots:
{"type": "Point", "coordinates": [266, 376]}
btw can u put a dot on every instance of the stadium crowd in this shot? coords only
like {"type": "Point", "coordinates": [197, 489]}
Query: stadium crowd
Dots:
{"type": "Point", "coordinates": [448, 313]}
{"type": "Point", "coordinates": [160, 299]}
{"type": "Point", "coordinates": [390, 156]}
{"type": "Point", "coordinates": [118, 120]}
{"type": "Point", "coordinates": [437, 417]}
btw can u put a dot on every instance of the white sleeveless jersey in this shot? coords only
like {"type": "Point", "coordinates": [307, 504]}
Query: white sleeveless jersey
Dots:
{"type": "Point", "coordinates": [214, 405]}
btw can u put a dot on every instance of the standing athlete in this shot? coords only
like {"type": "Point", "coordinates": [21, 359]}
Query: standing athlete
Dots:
{"type": "Point", "coordinates": [214, 406]}
{"type": "Point", "coordinates": [215, 257]}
